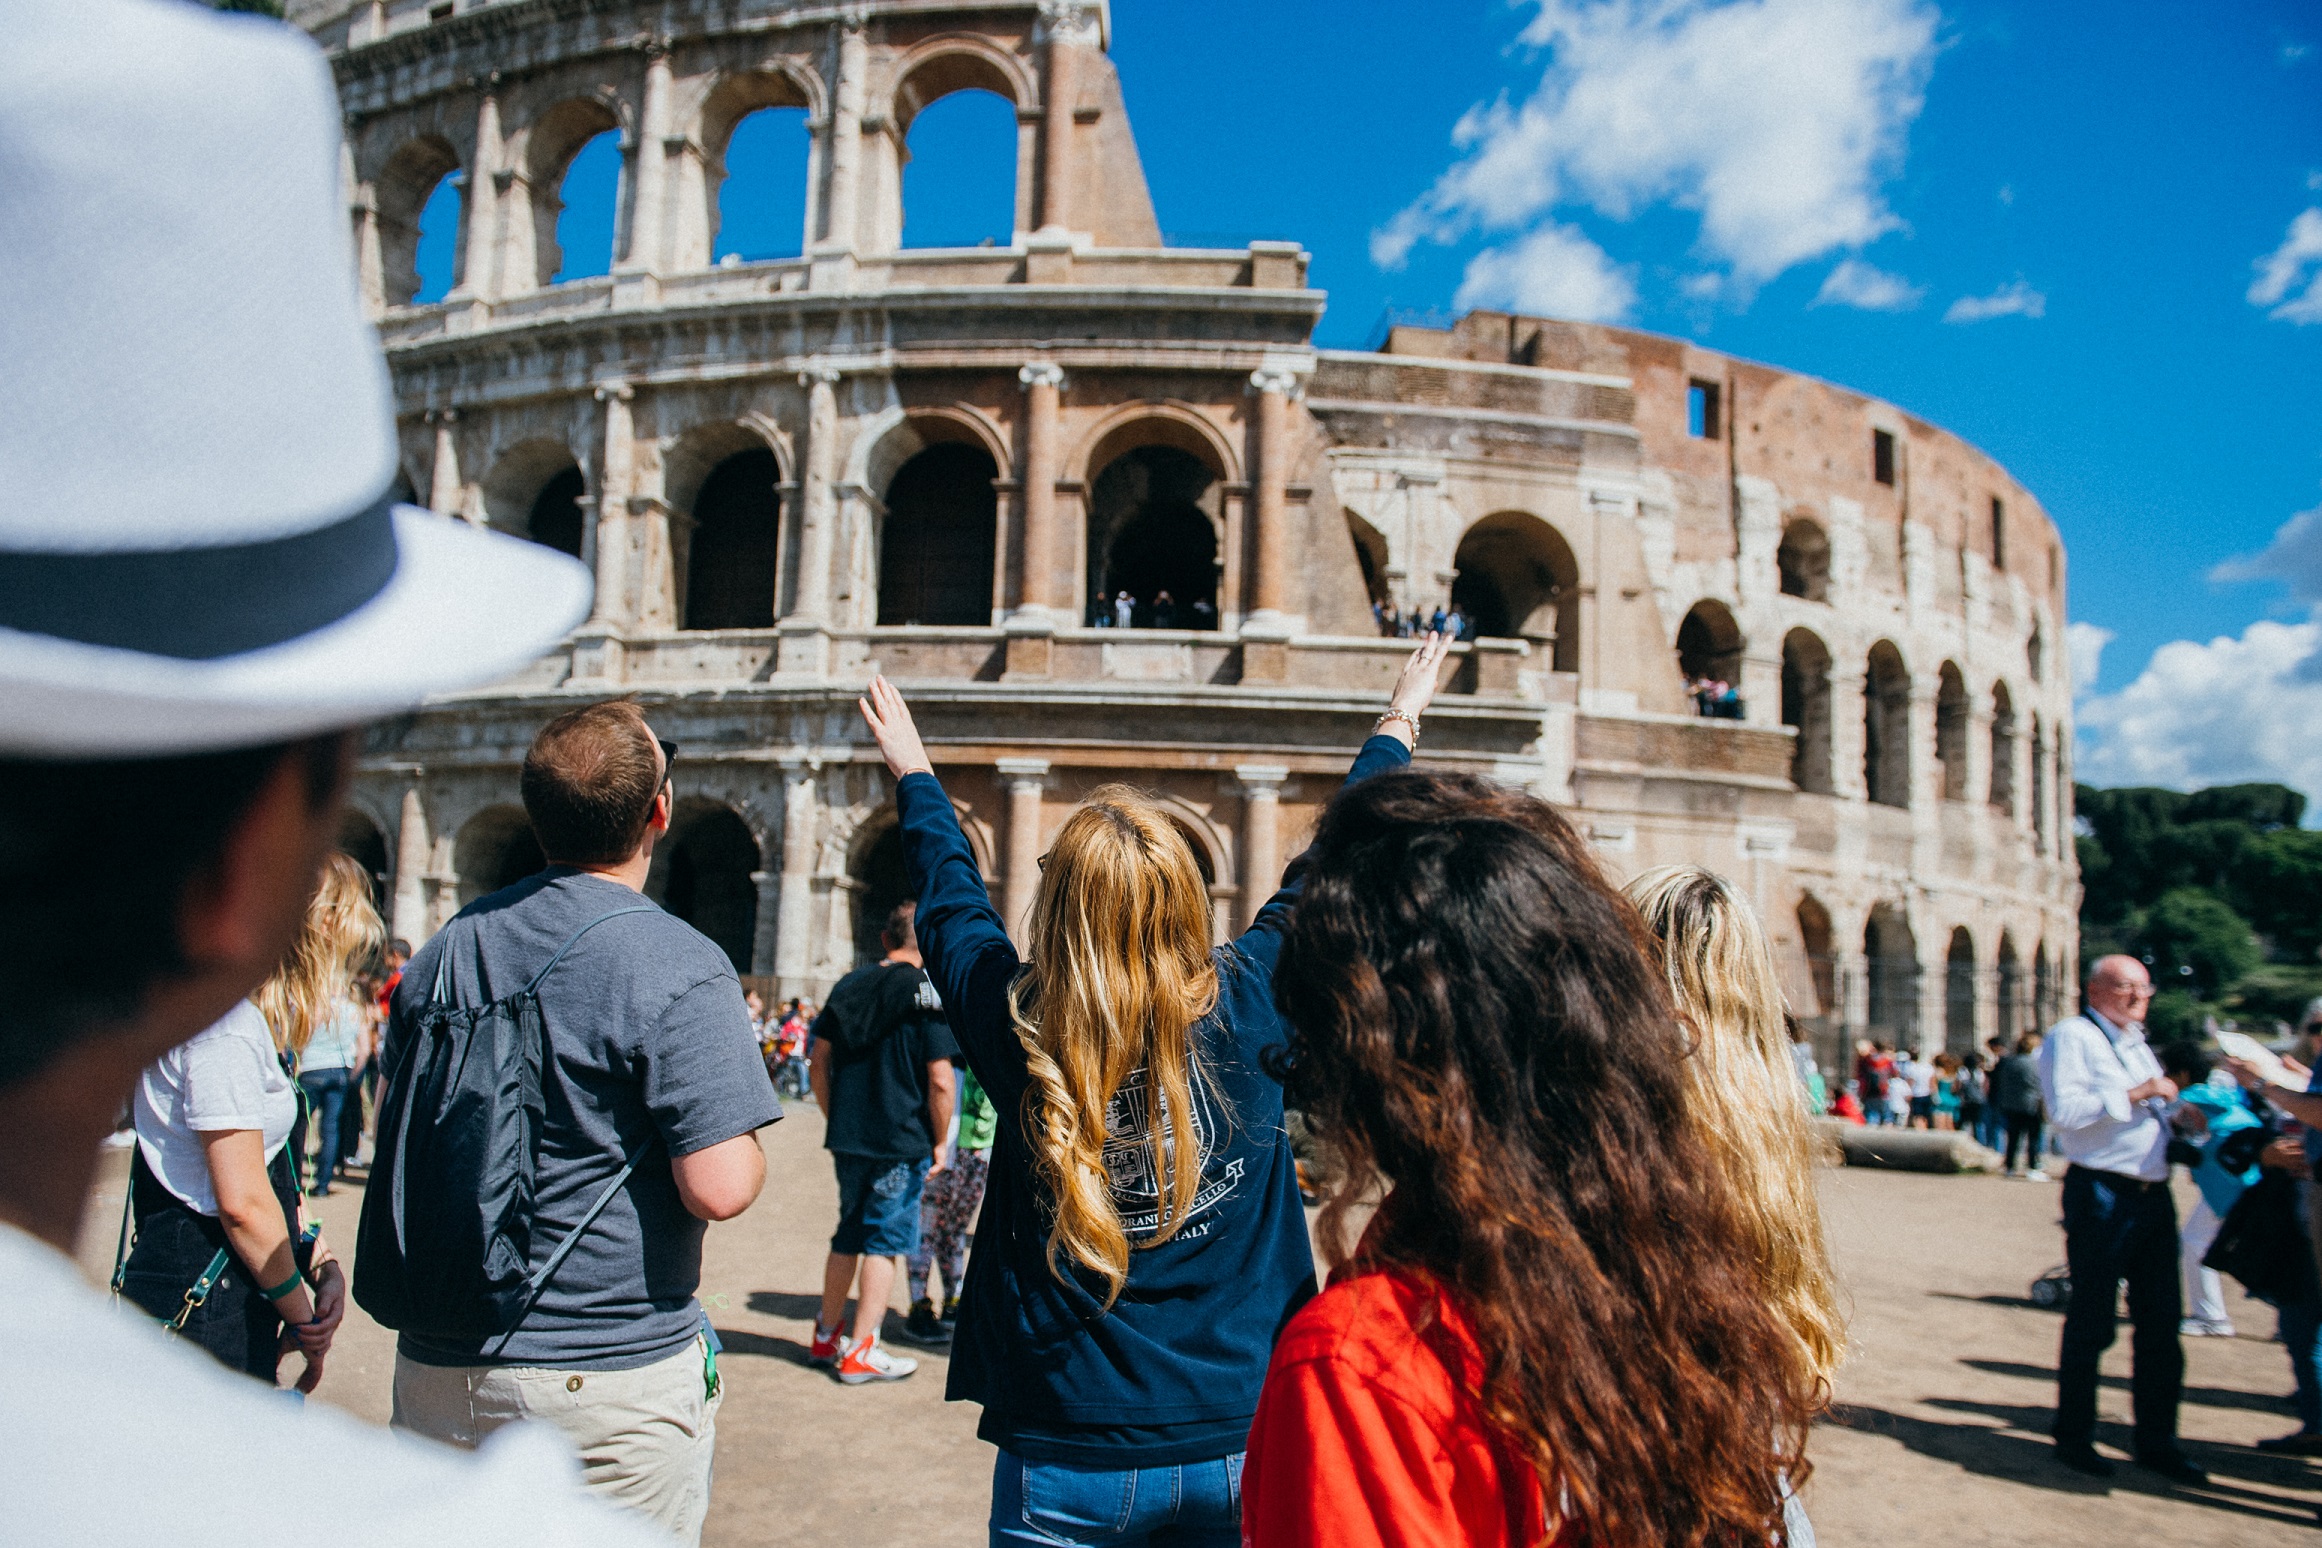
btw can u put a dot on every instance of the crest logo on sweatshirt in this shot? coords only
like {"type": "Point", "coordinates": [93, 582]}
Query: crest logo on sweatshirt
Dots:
{"type": "Point", "coordinates": [1136, 1184]}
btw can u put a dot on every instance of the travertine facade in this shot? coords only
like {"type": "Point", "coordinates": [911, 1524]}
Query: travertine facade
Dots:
{"type": "Point", "coordinates": [940, 463]}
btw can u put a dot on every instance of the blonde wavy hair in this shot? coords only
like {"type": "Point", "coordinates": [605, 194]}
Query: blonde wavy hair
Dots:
{"type": "Point", "coordinates": [1744, 1092]}
{"type": "Point", "coordinates": [342, 932]}
{"type": "Point", "coordinates": [1119, 972]}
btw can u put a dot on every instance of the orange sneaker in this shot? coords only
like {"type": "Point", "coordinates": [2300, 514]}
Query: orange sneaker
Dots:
{"type": "Point", "coordinates": [828, 1346]}
{"type": "Point", "coordinates": [866, 1361]}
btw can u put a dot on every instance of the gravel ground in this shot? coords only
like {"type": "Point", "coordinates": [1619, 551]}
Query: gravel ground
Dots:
{"type": "Point", "coordinates": [1940, 1425]}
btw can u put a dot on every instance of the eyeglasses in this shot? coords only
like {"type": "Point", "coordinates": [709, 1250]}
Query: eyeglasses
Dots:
{"type": "Point", "coordinates": [668, 764]}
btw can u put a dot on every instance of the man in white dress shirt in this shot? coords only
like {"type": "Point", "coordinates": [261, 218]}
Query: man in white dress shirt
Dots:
{"type": "Point", "coordinates": [2109, 1104]}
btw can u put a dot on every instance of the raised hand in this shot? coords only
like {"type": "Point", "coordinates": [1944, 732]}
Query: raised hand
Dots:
{"type": "Point", "coordinates": [891, 726]}
{"type": "Point", "coordinates": [1415, 687]}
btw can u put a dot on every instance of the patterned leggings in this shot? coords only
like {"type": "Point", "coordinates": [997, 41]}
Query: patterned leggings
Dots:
{"type": "Point", "coordinates": [946, 1210]}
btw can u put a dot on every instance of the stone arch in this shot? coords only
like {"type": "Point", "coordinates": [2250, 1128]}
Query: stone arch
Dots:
{"type": "Point", "coordinates": [1156, 531]}
{"type": "Point", "coordinates": [728, 480]}
{"type": "Point", "coordinates": [897, 434]}
{"type": "Point", "coordinates": [1959, 993]}
{"type": "Point", "coordinates": [1709, 643]}
{"type": "Point", "coordinates": [495, 849]}
{"type": "Point", "coordinates": [550, 145]}
{"type": "Point", "coordinates": [1152, 422]}
{"type": "Point", "coordinates": [534, 491]}
{"type": "Point", "coordinates": [1371, 557]}
{"type": "Point", "coordinates": [879, 879]}
{"type": "Point", "coordinates": [1819, 942]}
{"type": "Point", "coordinates": [2003, 748]}
{"type": "Point", "coordinates": [401, 191]}
{"type": "Point", "coordinates": [703, 872]}
{"type": "Point", "coordinates": [1951, 728]}
{"type": "Point", "coordinates": [1803, 560]}
{"type": "Point", "coordinates": [2047, 987]}
{"type": "Point", "coordinates": [776, 86]}
{"type": "Point", "coordinates": [956, 61]}
{"type": "Point", "coordinates": [1806, 708]}
{"type": "Point", "coordinates": [1886, 714]}
{"type": "Point", "coordinates": [2039, 784]}
{"type": "Point", "coordinates": [1891, 967]}
{"type": "Point", "coordinates": [939, 539]}
{"type": "Point", "coordinates": [2012, 1019]}
{"type": "Point", "coordinates": [365, 842]}
{"type": "Point", "coordinates": [1516, 576]}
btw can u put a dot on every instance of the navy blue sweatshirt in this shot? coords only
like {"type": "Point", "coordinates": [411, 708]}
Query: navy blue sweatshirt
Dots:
{"type": "Point", "coordinates": [1171, 1373]}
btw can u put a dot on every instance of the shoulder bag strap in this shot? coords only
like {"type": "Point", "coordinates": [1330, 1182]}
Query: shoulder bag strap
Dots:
{"type": "Point", "coordinates": [642, 908]}
{"type": "Point", "coordinates": [541, 1276]}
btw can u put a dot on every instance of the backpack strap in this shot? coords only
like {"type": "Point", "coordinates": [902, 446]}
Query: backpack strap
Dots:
{"type": "Point", "coordinates": [642, 908]}
{"type": "Point", "coordinates": [541, 1275]}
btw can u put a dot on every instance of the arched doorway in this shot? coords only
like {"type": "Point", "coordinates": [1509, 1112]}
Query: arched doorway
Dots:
{"type": "Point", "coordinates": [1891, 963]}
{"type": "Point", "coordinates": [1709, 652]}
{"type": "Point", "coordinates": [1152, 533]}
{"type": "Point", "coordinates": [1515, 576]}
{"type": "Point", "coordinates": [420, 209]}
{"type": "Point", "coordinates": [1959, 994]}
{"type": "Point", "coordinates": [361, 841]}
{"type": "Point", "coordinates": [496, 849]}
{"type": "Point", "coordinates": [959, 171]}
{"type": "Point", "coordinates": [1886, 734]}
{"type": "Point", "coordinates": [937, 548]}
{"type": "Point", "coordinates": [703, 876]}
{"type": "Point", "coordinates": [535, 492]}
{"type": "Point", "coordinates": [731, 554]}
{"type": "Point", "coordinates": [1816, 940]}
{"type": "Point", "coordinates": [2013, 1019]}
{"type": "Point", "coordinates": [2003, 749]}
{"type": "Point", "coordinates": [1806, 708]}
{"type": "Point", "coordinates": [1951, 731]}
{"type": "Point", "coordinates": [1803, 561]}
{"type": "Point", "coordinates": [881, 881]}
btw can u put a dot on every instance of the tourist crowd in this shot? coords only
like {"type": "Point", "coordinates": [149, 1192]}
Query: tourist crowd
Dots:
{"type": "Point", "coordinates": [1400, 623]}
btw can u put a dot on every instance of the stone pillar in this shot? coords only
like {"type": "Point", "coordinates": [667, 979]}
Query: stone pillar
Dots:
{"type": "Point", "coordinates": [844, 205]}
{"type": "Point", "coordinates": [794, 888]}
{"type": "Point", "coordinates": [409, 919]}
{"type": "Point", "coordinates": [481, 207]}
{"type": "Point", "coordinates": [1270, 588]}
{"type": "Point", "coordinates": [763, 934]}
{"type": "Point", "coordinates": [615, 470]}
{"type": "Point", "coordinates": [443, 484]}
{"type": "Point", "coordinates": [818, 506]}
{"type": "Point", "coordinates": [1043, 385]}
{"type": "Point", "coordinates": [370, 258]}
{"type": "Point", "coordinates": [1027, 781]}
{"type": "Point", "coordinates": [1847, 750]}
{"type": "Point", "coordinates": [1056, 125]}
{"type": "Point", "coordinates": [1261, 834]}
{"type": "Point", "coordinates": [649, 166]}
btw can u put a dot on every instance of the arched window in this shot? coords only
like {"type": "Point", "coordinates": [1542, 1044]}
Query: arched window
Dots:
{"type": "Point", "coordinates": [754, 126]}
{"type": "Point", "coordinates": [2035, 653]}
{"type": "Point", "coordinates": [1370, 547]}
{"type": "Point", "coordinates": [702, 874]}
{"type": "Point", "coordinates": [1959, 994]}
{"type": "Point", "coordinates": [1806, 708]}
{"type": "Point", "coordinates": [421, 205]}
{"type": "Point", "coordinates": [2003, 749]}
{"type": "Point", "coordinates": [1516, 577]}
{"type": "Point", "coordinates": [1804, 560]}
{"type": "Point", "coordinates": [1893, 969]}
{"type": "Point", "coordinates": [2014, 1013]}
{"type": "Point", "coordinates": [731, 554]}
{"type": "Point", "coordinates": [937, 548]}
{"type": "Point", "coordinates": [1951, 732]}
{"type": "Point", "coordinates": [1886, 738]}
{"type": "Point", "coordinates": [882, 880]}
{"type": "Point", "coordinates": [959, 172]}
{"type": "Point", "coordinates": [496, 849]}
{"type": "Point", "coordinates": [535, 492]}
{"type": "Point", "coordinates": [1814, 935]}
{"type": "Point", "coordinates": [2039, 785]}
{"type": "Point", "coordinates": [1153, 520]}
{"type": "Point", "coordinates": [1709, 653]}
{"type": "Point", "coordinates": [572, 163]}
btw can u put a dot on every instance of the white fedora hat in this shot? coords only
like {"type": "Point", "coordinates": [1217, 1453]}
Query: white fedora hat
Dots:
{"type": "Point", "coordinates": [197, 545]}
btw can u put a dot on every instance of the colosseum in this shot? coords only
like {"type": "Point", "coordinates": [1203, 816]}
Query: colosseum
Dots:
{"type": "Point", "coordinates": [947, 464]}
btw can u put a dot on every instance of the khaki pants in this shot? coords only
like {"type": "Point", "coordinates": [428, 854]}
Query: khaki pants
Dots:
{"type": "Point", "coordinates": [645, 1437]}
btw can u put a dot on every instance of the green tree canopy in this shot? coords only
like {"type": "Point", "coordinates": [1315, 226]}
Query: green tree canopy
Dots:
{"type": "Point", "coordinates": [2192, 940]}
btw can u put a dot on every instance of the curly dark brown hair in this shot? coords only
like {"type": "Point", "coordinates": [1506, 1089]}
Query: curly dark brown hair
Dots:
{"type": "Point", "coordinates": [1476, 1022]}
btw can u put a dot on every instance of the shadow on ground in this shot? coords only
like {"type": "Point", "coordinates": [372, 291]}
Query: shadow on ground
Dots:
{"type": "Point", "coordinates": [2206, 1397]}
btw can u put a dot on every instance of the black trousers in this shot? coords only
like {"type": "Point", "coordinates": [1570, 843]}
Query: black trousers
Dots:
{"type": "Point", "coordinates": [2117, 1230]}
{"type": "Point", "coordinates": [2024, 1129]}
{"type": "Point", "coordinates": [237, 1326]}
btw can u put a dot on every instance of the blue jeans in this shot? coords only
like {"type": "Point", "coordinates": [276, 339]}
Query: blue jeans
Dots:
{"type": "Point", "coordinates": [326, 1097]}
{"type": "Point", "coordinates": [1184, 1505]}
{"type": "Point", "coordinates": [2116, 1230]}
{"type": "Point", "coordinates": [878, 1206]}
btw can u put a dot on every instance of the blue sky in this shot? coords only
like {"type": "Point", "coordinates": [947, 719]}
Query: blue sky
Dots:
{"type": "Point", "coordinates": [1819, 184]}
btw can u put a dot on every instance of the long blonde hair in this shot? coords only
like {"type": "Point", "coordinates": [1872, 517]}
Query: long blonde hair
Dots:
{"type": "Point", "coordinates": [1119, 972]}
{"type": "Point", "coordinates": [1744, 1091]}
{"type": "Point", "coordinates": [342, 931]}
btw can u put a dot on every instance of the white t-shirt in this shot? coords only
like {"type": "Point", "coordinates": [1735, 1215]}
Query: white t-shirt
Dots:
{"type": "Point", "coordinates": [118, 1434]}
{"type": "Point", "coordinates": [228, 1077]}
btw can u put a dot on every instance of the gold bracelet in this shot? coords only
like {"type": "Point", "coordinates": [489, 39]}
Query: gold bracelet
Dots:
{"type": "Point", "coordinates": [1404, 716]}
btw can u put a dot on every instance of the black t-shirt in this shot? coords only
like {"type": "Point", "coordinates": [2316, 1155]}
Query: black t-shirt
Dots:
{"type": "Point", "coordinates": [885, 1025]}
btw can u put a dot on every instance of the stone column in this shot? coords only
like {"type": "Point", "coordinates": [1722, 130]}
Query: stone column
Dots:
{"type": "Point", "coordinates": [443, 484]}
{"type": "Point", "coordinates": [818, 504]}
{"type": "Point", "coordinates": [409, 913]}
{"type": "Point", "coordinates": [844, 205]}
{"type": "Point", "coordinates": [1027, 781]}
{"type": "Point", "coordinates": [763, 934]}
{"type": "Point", "coordinates": [648, 183]}
{"type": "Point", "coordinates": [1043, 385]}
{"type": "Point", "coordinates": [794, 888]}
{"type": "Point", "coordinates": [1056, 117]}
{"type": "Point", "coordinates": [615, 470]}
{"type": "Point", "coordinates": [1847, 751]}
{"type": "Point", "coordinates": [1270, 588]}
{"type": "Point", "coordinates": [479, 275]}
{"type": "Point", "coordinates": [1261, 834]}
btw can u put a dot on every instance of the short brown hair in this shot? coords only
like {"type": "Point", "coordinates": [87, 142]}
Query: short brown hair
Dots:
{"type": "Point", "coordinates": [589, 783]}
{"type": "Point", "coordinates": [899, 933]}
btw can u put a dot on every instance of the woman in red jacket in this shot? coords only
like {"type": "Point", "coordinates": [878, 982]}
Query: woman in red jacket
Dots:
{"type": "Point", "coordinates": [1552, 1330]}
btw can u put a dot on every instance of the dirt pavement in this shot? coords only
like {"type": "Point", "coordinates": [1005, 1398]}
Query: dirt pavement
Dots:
{"type": "Point", "coordinates": [1940, 1432]}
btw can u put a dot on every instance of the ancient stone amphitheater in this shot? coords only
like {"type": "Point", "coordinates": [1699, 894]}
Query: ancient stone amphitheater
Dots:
{"type": "Point", "coordinates": [940, 463]}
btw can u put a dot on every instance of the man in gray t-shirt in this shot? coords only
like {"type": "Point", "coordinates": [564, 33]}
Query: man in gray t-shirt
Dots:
{"type": "Point", "coordinates": [651, 1053]}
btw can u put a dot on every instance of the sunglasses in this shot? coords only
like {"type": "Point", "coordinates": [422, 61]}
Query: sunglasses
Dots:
{"type": "Point", "coordinates": [668, 764]}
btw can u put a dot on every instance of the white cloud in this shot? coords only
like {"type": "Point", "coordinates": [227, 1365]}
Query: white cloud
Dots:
{"type": "Point", "coordinates": [2282, 272]}
{"type": "Point", "coordinates": [1858, 284]}
{"type": "Point", "coordinates": [2294, 557]}
{"type": "Point", "coordinates": [2085, 642]}
{"type": "Point", "coordinates": [2293, 52]}
{"type": "Point", "coordinates": [1554, 269]}
{"type": "Point", "coordinates": [2014, 299]}
{"type": "Point", "coordinates": [2233, 709]}
{"type": "Point", "coordinates": [1775, 120]}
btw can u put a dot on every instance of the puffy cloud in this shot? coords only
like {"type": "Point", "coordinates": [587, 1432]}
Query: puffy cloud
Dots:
{"type": "Point", "coordinates": [1858, 284]}
{"type": "Point", "coordinates": [2085, 642]}
{"type": "Point", "coordinates": [2289, 279]}
{"type": "Point", "coordinates": [1555, 270]}
{"type": "Point", "coordinates": [2231, 709]}
{"type": "Point", "coordinates": [2294, 557]}
{"type": "Point", "coordinates": [2014, 299]}
{"type": "Point", "coordinates": [1775, 120]}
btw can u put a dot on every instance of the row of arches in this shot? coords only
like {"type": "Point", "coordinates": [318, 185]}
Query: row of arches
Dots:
{"type": "Point", "coordinates": [1802, 568]}
{"type": "Point", "coordinates": [745, 166]}
{"type": "Point", "coordinates": [2019, 995]}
